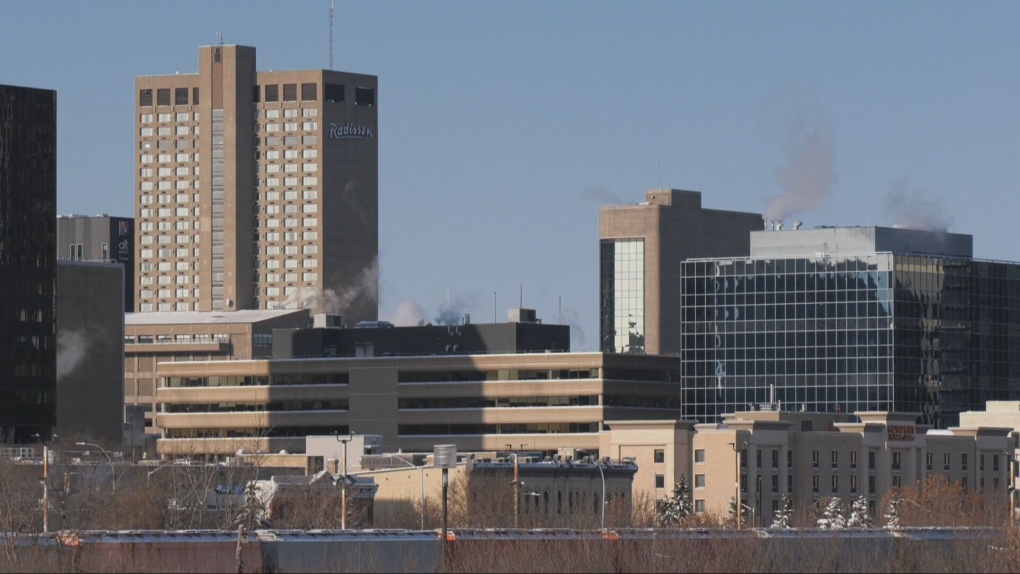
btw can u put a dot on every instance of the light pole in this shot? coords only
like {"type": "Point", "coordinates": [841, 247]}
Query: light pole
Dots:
{"type": "Point", "coordinates": [737, 499]}
{"type": "Point", "coordinates": [421, 470]}
{"type": "Point", "coordinates": [754, 516]}
{"type": "Point", "coordinates": [343, 478]}
{"type": "Point", "coordinates": [516, 482]}
{"type": "Point", "coordinates": [1011, 487]}
{"type": "Point", "coordinates": [113, 474]}
{"type": "Point", "coordinates": [149, 474]}
{"type": "Point", "coordinates": [46, 489]}
{"type": "Point", "coordinates": [602, 514]}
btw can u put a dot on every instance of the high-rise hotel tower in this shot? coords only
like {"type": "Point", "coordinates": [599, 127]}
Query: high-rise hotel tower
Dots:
{"type": "Point", "coordinates": [256, 190]}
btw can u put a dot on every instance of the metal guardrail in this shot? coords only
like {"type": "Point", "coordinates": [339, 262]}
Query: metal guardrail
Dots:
{"type": "Point", "coordinates": [17, 452]}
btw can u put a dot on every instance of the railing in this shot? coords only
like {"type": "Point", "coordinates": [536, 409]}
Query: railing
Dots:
{"type": "Point", "coordinates": [17, 452]}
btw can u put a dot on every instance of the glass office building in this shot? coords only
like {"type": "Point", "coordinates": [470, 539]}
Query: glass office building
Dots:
{"type": "Point", "coordinates": [915, 332]}
{"type": "Point", "coordinates": [622, 279]}
{"type": "Point", "coordinates": [28, 218]}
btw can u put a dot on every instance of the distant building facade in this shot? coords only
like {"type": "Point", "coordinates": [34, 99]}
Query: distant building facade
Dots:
{"type": "Point", "coordinates": [28, 205]}
{"type": "Point", "coordinates": [100, 238]}
{"type": "Point", "coordinates": [641, 247]}
{"type": "Point", "coordinates": [477, 401]}
{"type": "Point", "coordinates": [150, 338]}
{"type": "Point", "coordinates": [765, 455]}
{"type": "Point", "coordinates": [256, 190]}
{"type": "Point", "coordinates": [90, 352]}
{"type": "Point", "coordinates": [851, 319]}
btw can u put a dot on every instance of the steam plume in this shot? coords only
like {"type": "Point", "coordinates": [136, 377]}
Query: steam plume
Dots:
{"type": "Point", "coordinates": [808, 178]}
{"type": "Point", "coordinates": [913, 208]}
{"type": "Point", "coordinates": [569, 316]}
{"type": "Point", "coordinates": [452, 311]}
{"type": "Point", "coordinates": [336, 301]}
{"type": "Point", "coordinates": [408, 314]}
{"type": "Point", "coordinates": [602, 195]}
{"type": "Point", "coordinates": [71, 349]}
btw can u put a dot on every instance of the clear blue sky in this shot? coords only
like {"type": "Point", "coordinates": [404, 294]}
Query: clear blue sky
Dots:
{"type": "Point", "coordinates": [503, 126]}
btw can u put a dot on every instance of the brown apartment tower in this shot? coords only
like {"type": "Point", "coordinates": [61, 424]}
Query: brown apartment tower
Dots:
{"type": "Point", "coordinates": [641, 247]}
{"type": "Point", "coordinates": [256, 190]}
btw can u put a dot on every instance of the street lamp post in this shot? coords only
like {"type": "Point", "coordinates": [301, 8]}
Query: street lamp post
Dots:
{"type": "Point", "coordinates": [113, 474]}
{"type": "Point", "coordinates": [737, 500]}
{"type": "Point", "coordinates": [343, 478]}
{"type": "Point", "coordinates": [602, 514]}
{"type": "Point", "coordinates": [421, 470]}
{"type": "Point", "coordinates": [46, 489]}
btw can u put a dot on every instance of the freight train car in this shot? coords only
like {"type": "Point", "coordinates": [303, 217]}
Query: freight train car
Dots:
{"type": "Point", "coordinates": [350, 551]}
{"type": "Point", "coordinates": [163, 551]}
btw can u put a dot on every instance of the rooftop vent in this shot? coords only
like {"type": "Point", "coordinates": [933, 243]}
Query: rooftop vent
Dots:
{"type": "Point", "coordinates": [521, 315]}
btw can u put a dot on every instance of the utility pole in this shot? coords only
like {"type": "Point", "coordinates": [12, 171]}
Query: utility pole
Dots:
{"type": "Point", "coordinates": [517, 489]}
{"type": "Point", "coordinates": [46, 489]}
{"type": "Point", "coordinates": [343, 481]}
{"type": "Point", "coordinates": [738, 505]}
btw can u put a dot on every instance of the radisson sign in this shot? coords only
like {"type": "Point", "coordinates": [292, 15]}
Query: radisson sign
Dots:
{"type": "Point", "coordinates": [349, 131]}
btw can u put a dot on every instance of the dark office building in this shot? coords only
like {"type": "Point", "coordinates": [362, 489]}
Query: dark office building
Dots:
{"type": "Point", "coordinates": [101, 238]}
{"type": "Point", "coordinates": [90, 352]}
{"type": "Point", "coordinates": [640, 250]}
{"type": "Point", "coordinates": [523, 333]}
{"type": "Point", "coordinates": [28, 211]}
{"type": "Point", "coordinates": [851, 319]}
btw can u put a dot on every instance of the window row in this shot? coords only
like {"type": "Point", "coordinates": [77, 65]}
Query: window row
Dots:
{"type": "Point", "coordinates": [290, 195]}
{"type": "Point", "coordinates": [163, 97]}
{"type": "Point", "coordinates": [168, 144]}
{"type": "Point", "coordinates": [292, 154]}
{"type": "Point", "coordinates": [308, 277]}
{"type": "Point", "coordinates": [163, 118]}
{"type": "Point", "coordinates": [168, 280]}
{"type": "Point", "coordinates": [273, 114]}
{"type": "Point", "coordinates": [275, 127]}
{"type": "Point", "coordinates": [166, 131]}
{"type": "Point", "coordinates": [165, 158]}
{"type": "Point", "coordinates": [308, 180]}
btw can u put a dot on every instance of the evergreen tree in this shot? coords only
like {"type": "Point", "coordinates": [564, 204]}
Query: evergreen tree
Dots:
{"type": "Point", "coordinates": [859, 515]}
{"type": "Point", "coordinates": [782, 517]}
{"type": "Point", "coordinates": [832, 515]}
{"type": "Point", "coordinates": [732, 511]}
{"type": "Point", "coordinates": [677, 507]}
{"type": "Point", "coordinates": [892, 511]}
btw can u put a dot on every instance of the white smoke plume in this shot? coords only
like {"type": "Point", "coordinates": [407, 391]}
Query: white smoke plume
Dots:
{"type": "Point", "coordinates": [71, 349]}
{"type": "Point", "coordinates": [911, 207]}
{"type": "Point", "coordinates": [408, 314]}
{"type": "Point", "coordinates": [336, 301]}
{"type": "Point", "coordinates": [809, 176]}
{"type": "Point", "coordinates": [578, 341]}
{"type": "Point", "coordinates": [452, 310]}
{"type": "Point", "coordinates": [602, 196]}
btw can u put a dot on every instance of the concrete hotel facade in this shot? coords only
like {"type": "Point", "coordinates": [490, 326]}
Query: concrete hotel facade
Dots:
{"type": "Point", "coordinates": [808, 457]}
{"type": "Point", "coordinates": [256, 190]}
{"type": "Point", "coordinates": [641, 248]}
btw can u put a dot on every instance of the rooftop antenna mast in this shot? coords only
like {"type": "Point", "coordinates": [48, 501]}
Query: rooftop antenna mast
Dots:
{"type": "Point", "coordinates": [331, 34]}
{"type": "Point", "coordinates": [220, 36]}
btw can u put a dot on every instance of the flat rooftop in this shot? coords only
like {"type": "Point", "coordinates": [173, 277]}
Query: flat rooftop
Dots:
{"type": "Point", "coordinates": [205, 317]}
{"type": "Point", "coordinates": [859, 240]}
